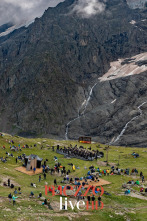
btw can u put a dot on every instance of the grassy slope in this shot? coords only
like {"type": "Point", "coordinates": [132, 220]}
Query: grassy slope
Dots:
{"type": "Point", "coordinates": [133, 208]}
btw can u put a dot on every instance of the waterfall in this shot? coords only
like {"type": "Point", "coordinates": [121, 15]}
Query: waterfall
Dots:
{"type": "Point", "coordinates": [125, 127]}
{"type": "Point", "coordinates": [88, 99]}
{"type": "Point", "coordinates": [85, 104]}
{"type": "Point", "coordinates": [67, 126]}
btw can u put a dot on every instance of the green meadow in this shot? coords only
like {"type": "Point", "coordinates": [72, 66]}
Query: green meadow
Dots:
{"type": "Point", "coordinates": [117, 206]}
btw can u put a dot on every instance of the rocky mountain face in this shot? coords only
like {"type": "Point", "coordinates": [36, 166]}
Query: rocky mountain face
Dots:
{"type": "Point", "coordinates": [137, 3]}
{"type": "Point", "coordinates": [49, 76]}
{"type": "Point", "coordinates": [5, 27]}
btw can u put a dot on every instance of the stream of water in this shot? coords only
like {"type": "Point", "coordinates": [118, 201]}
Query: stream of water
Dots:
{"type": "Point", "coordinates": [84, 107]}
{"type": "Point", "coordinates": [125, 127]}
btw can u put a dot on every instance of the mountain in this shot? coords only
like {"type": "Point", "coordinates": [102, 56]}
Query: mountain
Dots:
{"type": "Point", "coordinates": [51, 75]}
{"type": "Point", "coordinates": [10, 28]}
{"type": "Point", "coordinates": [137, 3]}
{"type": "Point", "coordinates": [5, 27]}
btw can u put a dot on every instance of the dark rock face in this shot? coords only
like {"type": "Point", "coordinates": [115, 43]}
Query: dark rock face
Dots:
{"type": "Point", "coordinates": [4, 27]}
{"type": "Point", "coordinates": [137, 4]}
{"type": "Point", "coordinates": [104, 120]}
{"type": "Point", "coordinates": [47, 68]}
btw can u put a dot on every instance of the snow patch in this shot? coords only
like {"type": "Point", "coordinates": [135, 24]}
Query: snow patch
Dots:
{"type": "Point", "coordinates": [126, 67]}
{"type": "Point", "coordinates": [113, 101]}
{"type": "Point", "coordinates": [132, 22]}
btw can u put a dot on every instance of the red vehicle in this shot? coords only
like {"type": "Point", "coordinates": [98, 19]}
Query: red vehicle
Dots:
{"type": "Point", "coordinates": [85, 140]}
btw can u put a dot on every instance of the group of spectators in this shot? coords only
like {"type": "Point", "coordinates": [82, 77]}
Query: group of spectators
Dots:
{"type": "Point", "coordinates": [80, 153]}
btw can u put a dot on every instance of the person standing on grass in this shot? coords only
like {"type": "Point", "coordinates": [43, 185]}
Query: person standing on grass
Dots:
{"type": "Point", "coordinates": [34, 169]}
{"type": "Point", "coordinates": [44, 176]}
{"type": "Point", "coordinates": [88, 198]}
{"type": "Point", "coordinates": [39, 178]}
{"type": "Point", "coordinates": [93, 198]}
{"type": "Point", "coordinates": [55, 182]}
{"type": "Point", "coordinates": [108, 171]}
{"type": "Point", "coordinates": [10, 197]}
{"type": "Point", "coordinates": [143, 179]}
{"type": "Point", "coordinates": [99, 201]}
{"type": "Point", "coordinates": [14, 198]}
{"type": "Point", "coordinates": [16, 159]}
{"type": "Point", "coordinates": [8, 182]}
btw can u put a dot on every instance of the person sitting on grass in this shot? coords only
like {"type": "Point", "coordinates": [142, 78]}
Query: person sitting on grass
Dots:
{"type": "Point", "coordinates": [12, 186]}
{"type": "Point", "coordinates": [137, 182]}
{"type": "Point", "coordinates": [40, 195]}
{"type": "Point", "coordinates": [31, 194]}
{"type": "Point", "coordinates": [15, 191]}
{"type": "Point", "coordinates": [133, 182]}
{"type": "Point", "coordinates": [141, 189]}
{"type": "Point", "coordinates": [45, 202]}
{"type": "Point", "coordinates": [97, 179]}
{"type": "Point", "coordinates": [97, 190]}
{"type": "Point", "coordinates": [127, 192]}
{"type": "Point", "coordinates": [71, 181]}
{"type": "Point", "coordinates": [33, 184]}
{"type": "Point", "coordinates": [49, 205]}
{"type": "Point", "coordinates": [136, 171]}
{"type": "Point", "coordinates": [19, 189]}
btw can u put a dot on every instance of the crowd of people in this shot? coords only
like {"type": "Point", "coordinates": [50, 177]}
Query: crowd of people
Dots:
{"type": "Point", "coordinates": [93, 173]}
{"type": "Point", "coordinates": [80, 152]}
{"type": "Point", "coordinates": [16, 191]}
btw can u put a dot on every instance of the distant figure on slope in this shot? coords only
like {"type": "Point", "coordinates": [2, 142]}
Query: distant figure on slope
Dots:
{"type": "Point", "coordinates": [10, 197]}
{"type": "Point", "coordinates": [143, 179]}
{"type": "Point", "coordinates": [55, 182]}
{"type": "Point", "coordinates": [8, 182]}
{"type": "Point", "coordinates": [44, 176]}
{"type": "Point", "coordinates": [14, 198]}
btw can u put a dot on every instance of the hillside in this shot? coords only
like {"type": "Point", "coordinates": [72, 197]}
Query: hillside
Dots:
{"type": "Point", "coordinates": [117, 206]}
